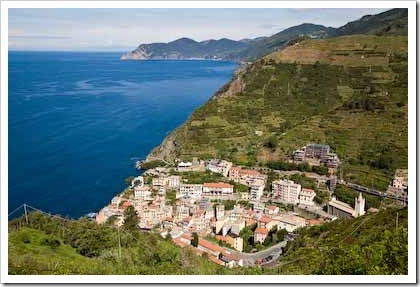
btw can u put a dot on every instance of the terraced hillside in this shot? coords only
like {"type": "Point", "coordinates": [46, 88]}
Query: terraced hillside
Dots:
{"type": "Point", "coordinates": [349, 92]}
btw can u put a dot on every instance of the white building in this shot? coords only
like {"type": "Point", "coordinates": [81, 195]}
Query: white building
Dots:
{"type": "Point", "coordinates": [343, 210]}
{"type": "Point", "coordinates": [217, 188]}
{"type": "Point", "coordinates": [142, 192]}
{"type": "Point", "coordinates": [160, 183]}
{"type": "Point", "coordinates": [289, 222]}
{"type": "Point", "coordinates": [219, 166]}
{"type": "Point", "coordinates": [256, 191]}
{"type": "Point", "coordinates": [191, 190]}
{"type": "Point", "coordinates": [286, 191]}
{"type": "Point", "coordinates": [174, 181]}
{"type": "Point", "coordinates": [307, 196]}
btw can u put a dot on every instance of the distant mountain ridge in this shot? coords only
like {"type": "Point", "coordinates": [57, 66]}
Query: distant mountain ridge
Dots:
{"type": "Point", "coordinates": [226, 49]}
{"type": "Point", "coordinates": [392, 22]}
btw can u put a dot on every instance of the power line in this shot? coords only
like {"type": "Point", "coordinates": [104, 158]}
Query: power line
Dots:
{"type": "Point", "coordinates": [19, 207]}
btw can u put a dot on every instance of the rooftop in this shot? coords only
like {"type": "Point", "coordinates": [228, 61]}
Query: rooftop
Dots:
{"type": "Point", "coordinates": [341, 206]}
{"type": "Point", "coordinates": [261, 230]}
{"type": "Point", "coordinates": [217, 185]}
{"type": "Point", "coordinates": [211, 246]}
{"type": "Point", "coordinates": [265, 219]}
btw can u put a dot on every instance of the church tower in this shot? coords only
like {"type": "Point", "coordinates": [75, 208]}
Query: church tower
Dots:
{"type": "Point", "coordinates": [359, 206]}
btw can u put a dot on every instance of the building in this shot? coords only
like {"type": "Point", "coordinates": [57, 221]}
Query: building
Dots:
{"type": "Point", "coordinates": [272, 209]}
{"type": "Point", "coordinates": [400, 179]}
{"type": "Point", "coordinates": [331, 160]}
{"type": "Point", "coordinates": [234, 241]}
{"type": "Point", "coordinates": [219, 166]}
{"type": "Point", "coordinates": [142, 192]}
{"type": "Point", "coordinates": [298, 155]}
{"type": "Point", "coordinates": [174, 181]}
{"type": "Point", "coordinates": [260, 234]}
{"type": "Point", "coordinates": [217, 188]}
{"type": "Point", "coordinates": [256, 192]}
{"type": "Point", "coordinates": [191, 190]}
{"type": "Point", "coordinates": [290, 222]}
{"type": "Point", "coordinates": [286, 191]}
{"type": "Point", "coordinates": [220, 211]}
{"type": "Point", "coordinates": [316, 150]}
{"type": "Point", "coordinates": [266, 222]}
{"type": "Point", "coordinates": [209, 247]}
{"type": "Point", "coordinates": [306, 196]}
{"type": "Point", "coordinates": [343, 210]}
{"type": "Point", "coordinates": [247, 176]}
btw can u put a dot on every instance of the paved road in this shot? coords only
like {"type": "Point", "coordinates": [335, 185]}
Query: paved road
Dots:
{"type": "Point", "coordinates": [250, 258]}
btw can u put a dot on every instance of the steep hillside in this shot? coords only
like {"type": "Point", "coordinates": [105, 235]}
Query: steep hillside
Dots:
{"type": "Point", "coordinates": [371, 244]}
{"type": "Point", "coordinates": [57, 246]}
{"type": "Point", "coordinates": [349, 92]}
{"type": "Point", "coordinates": [392, 22]}
{"type": "Point", "coordinates": [262, 47]}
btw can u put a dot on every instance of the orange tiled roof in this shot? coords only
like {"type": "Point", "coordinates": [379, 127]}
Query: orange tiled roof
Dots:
{"type": "Point", "coordinates": [261, 230]}
{"type": "Point", "coordinates": [217, 185]}
{"type": "Point", "coordinates": [216, 260]}
{"type": "Point", "coordinates": [187, 236]}
{"type": "Point", "coordinates": [179, 242]}
{"type": "Point", "coordinates": [250, 172]}
{"type": "Point", "coordinates": [265, 219]}
{"type": "Point", "coordinates": [210, 246]}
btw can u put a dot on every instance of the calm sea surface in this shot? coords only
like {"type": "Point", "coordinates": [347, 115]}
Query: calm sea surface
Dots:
{"type": "Point", "coordinates": [79, 121]}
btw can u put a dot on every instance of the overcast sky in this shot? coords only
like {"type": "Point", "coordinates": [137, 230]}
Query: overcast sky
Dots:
{"type": "Point", "coordinates": [124, 29]}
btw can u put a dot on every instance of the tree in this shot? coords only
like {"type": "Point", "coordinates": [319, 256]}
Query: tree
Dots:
{"type": "Point", "coordinates": [194, 241]}
{"type": "Point", "coordinates": [271, 143]}
{"type": "Point", "coordinates": [128, 180]}
{"type": "Point", "coordinates": [130, 219]}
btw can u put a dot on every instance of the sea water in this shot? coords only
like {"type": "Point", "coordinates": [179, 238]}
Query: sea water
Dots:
{"type": "Point", "coordinates": [78, 122]}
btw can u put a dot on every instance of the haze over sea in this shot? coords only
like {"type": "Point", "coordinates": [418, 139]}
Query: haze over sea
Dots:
{"type": "Point", "coordinates": [79, 121]}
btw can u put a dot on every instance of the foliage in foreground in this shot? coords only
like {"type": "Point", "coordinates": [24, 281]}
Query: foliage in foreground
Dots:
{"type": "Point", "coordinates": [370, 244]}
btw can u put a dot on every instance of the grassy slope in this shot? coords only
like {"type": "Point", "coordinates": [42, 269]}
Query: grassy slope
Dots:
{"type": "Point", "coordinates": [367, 245]}
{"type": "Point", "coordinates": [370, 244]}
{"type": "Point", "coordinates": [313, 91]}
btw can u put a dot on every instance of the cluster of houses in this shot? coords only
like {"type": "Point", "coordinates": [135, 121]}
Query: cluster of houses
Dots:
{"type": "Point", "coordinates": [320, 152]}
{"type": "Point", "coordinates": [195, 210]}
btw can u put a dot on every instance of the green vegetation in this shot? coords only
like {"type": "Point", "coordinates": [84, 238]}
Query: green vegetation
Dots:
{"type": "Point", "coordinates": [61, 246]}
{"type": "Point", "coordinates": [199, 177]}
{"type": "Point", "coordinates": [247, 234]}
{"type": "Point", "coordinates": [348, 195]}
{"type": "Point", "coordinates": [194, 241]}
{"type": "Point", "coordinates": [348, 92]}
{"type": "Point", "coordinates": [371, 244]}
{"type": "Point", "coordinates": [274, 236]}
{"type": "Point", "coordinates": [152, 164]}
{"type": "Point", "coordinates": [304, 166]}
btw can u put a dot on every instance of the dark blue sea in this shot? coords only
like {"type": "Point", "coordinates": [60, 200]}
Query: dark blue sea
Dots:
{"type": "Point", "coordinates": [79, 121]}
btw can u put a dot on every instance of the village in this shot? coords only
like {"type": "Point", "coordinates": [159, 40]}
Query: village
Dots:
{"type": "Point", "coordinates": [234, 215]}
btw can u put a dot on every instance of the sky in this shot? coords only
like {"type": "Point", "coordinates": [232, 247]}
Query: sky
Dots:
{"type": "Point", "coordinates": [123, 29]}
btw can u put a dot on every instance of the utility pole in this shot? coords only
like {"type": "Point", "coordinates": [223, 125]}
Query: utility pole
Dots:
{"type": "Point", "coordinates": [396, 222]}
{"type": "Point", "coordinates": [119, 243]}
{"type": "Point", "coordinates": [26, 213]}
